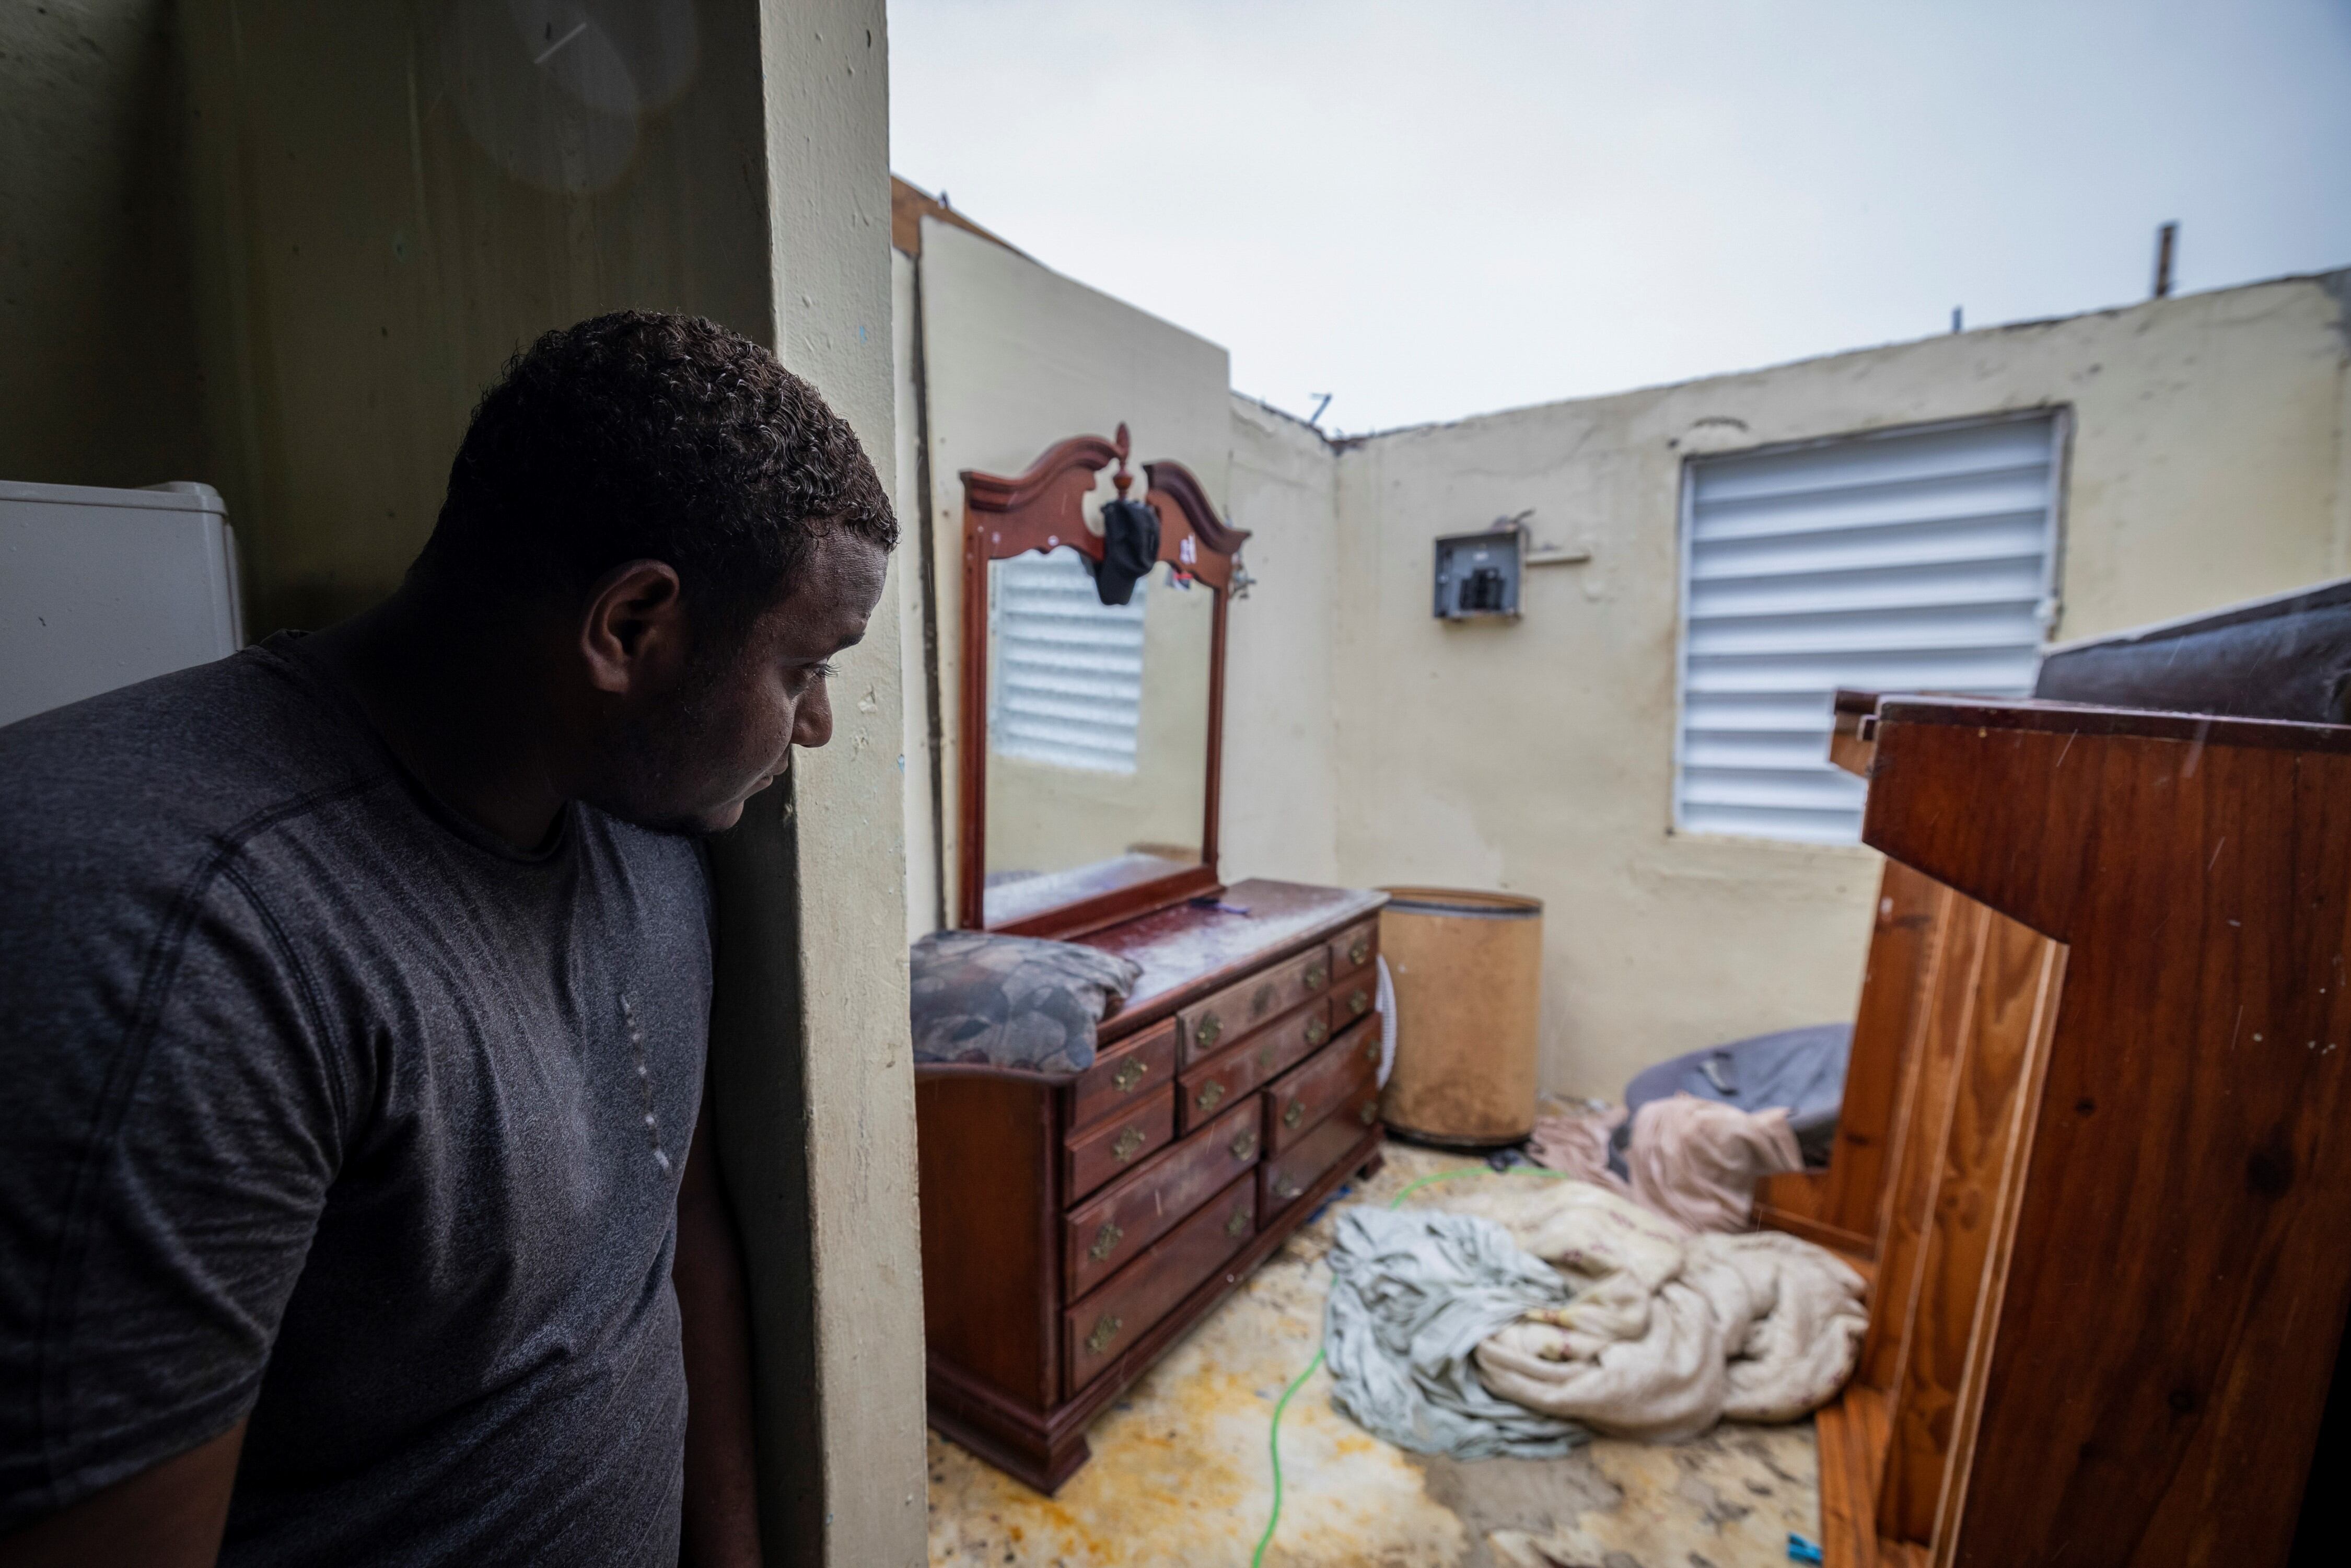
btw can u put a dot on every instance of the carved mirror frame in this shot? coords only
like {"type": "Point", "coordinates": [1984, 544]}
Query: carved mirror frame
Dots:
{"type": "Point", "coordinates": [1043, 509]}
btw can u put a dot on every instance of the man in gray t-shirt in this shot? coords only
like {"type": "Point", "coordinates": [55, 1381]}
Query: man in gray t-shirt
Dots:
{"type": "Point", "coordinates": [356, 1204]}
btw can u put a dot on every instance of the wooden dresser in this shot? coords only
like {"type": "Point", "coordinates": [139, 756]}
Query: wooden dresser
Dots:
{"type": "Point", "coordinates": [1075, 1225]}
{"type": "Point", "coordinates": [2097, 1144]}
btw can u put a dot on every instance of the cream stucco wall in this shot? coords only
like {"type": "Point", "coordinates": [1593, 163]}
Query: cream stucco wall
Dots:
{"type": "Point", "coordinates": [1280, 778]}
{"type": "Point", "coordinates": [1015, 358]}
{"type": "Point", "coordinates": [2206, 466]}
{"type": "Point", "coordinates": [925, 912]}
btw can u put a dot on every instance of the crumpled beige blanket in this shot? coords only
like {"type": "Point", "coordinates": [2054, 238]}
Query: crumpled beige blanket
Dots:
{"type": "Point", "coordinates": [1692, 1160]}
{"type": "Point", "coordinates": [1670, 1331]}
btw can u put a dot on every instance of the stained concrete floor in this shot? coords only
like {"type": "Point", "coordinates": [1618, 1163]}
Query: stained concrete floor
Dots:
{"type": "Point", "coordinates": [1180, 1475]}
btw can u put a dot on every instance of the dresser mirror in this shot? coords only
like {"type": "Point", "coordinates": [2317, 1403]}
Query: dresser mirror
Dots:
{"type": "Point", "coordinates": [1090, 730]}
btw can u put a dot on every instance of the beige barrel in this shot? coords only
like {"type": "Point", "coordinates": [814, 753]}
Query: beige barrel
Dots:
{"type": "Point", "coordinates": [1467, 968]}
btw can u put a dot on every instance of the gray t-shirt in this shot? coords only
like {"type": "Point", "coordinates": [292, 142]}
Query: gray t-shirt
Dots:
{"type": "Point", "coordinates": [319, 1104]}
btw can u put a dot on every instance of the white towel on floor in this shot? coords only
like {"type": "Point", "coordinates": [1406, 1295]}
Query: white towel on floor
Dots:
{"type": "Point", "coordinates": [1670, 1330]}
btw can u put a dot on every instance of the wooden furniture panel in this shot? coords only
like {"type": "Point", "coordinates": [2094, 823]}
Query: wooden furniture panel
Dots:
{"type": "Point", "coordinates": [1844, 1206]}
{"type": "Point", "coordinates": [1122, 1074]}
{"type": "Point", "coordinates": [1193, 950]}
{"type": "Point", "coordinates": [1214, 1088]}
{"type": "Point", "coordinates": [1148, 1289]}
{"type": "Point", "coordinates": [2190, 1184]}
{"type": "Point", "coordinates": [986, 1155]}
{"type": "Point", "coordinates": [1283, 1180]}
{"type": "Point", "coordinates": [2005, 1005]}
{"type": "Point", "coordinates": [1352, 950]}
{"type": "Point", "coordinates": [2111, 1286]}
{"type": "Point", "coordinates": [1228, 1018]}
{"type": "Point", "coordinates": [1113, 1148]}
{"type": "Point", "coordinates": [1337, 1079]}
{"type": "Point", "coordinates": [1851, 1438]}
{"type": "Point", "coordinates": [1224, 1077]}
{"type": "Point", "coordinates": [1926, 1128]}
{"type": "Point", "coordinates": [1102, 1235]}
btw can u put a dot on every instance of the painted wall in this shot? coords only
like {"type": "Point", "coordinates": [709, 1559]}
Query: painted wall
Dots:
{"type": "Point", "coordinates": [389, 201]}
{"type": "Point", "coordinates": [1015, 358]}
{"type": "Point", "coordinates": [98, 363]}
{"type": "Point", "coordinates": [2207, 465]}
{"type": "Point", "coordinates": [1281, 781]}
{"type": "Point", "coordinates": [924, 913]}
{"type": "Point", "coordinates": [828, 1138]}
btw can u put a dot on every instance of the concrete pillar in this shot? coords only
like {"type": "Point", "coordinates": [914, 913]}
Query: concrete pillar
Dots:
{"type": "Point", "coordinates": [812, 1051]}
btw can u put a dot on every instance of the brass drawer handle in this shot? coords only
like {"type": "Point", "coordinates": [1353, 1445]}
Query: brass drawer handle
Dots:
{"type": "Point", "coordinates": [1285, 1186]}
{"type": "Point", "coordinates": [1369, 1113]}
{"type": "Point", "coordinates": [1372, 1048]}
{"type": "Point", "coordinates": [1204, 1033]}
{"type": "Point", "coordinates": [1295, 1114]}
{"type": "Point", "coordinates": [1359, 1002]}
{"type": "Point", "coordinates": [1210, 1093]}
{"type": "Point", "coordinates": [1360, 951]}
{"type": "Point", "coordinates": [1129, 1073]}
{"type": "Point", "coordinates": [1105, 1242]}
{"type": "Point", "coordinates": [1244, 1143]}
{"type": "Point", "coordinates": [1317, 1031]}
{"type": "Point", "coordinates": [1129, 1143]}
{"type": "Point", "coordinates": [1265, 1057]}
{"type": "Point", "coordinates": [1105, 1329]}
{"type": "Point", "coordinates": [1238, 1225]}
{"type": "Point", "coordinates": [1317, 977]}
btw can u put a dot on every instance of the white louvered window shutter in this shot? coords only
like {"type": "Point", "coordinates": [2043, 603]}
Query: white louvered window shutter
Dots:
{"type": "Point", "coordinates": [1915, 560]}
{"type": "Point", "coordinates": [1067, 683]}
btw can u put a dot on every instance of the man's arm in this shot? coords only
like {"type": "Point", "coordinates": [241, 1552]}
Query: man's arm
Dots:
{"type": "Point", "coordinates": [721, 1508]}
{"type": "Point", "coordinates": [170, 1516]}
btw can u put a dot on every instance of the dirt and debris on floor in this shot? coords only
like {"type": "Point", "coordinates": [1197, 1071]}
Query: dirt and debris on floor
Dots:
{"type": "Point", "coordinates": [1180, 1476]}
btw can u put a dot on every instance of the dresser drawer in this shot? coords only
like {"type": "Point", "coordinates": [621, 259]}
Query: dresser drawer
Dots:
{"type": "Point", "coordinates": [1115, 1226]}
{"type": "Point", "coordinates": [1119, 1144]}
{"type": "Point", "coordinates": [1208, 1089]}
{"type": "Point", "coordinates": [1123, 1074]}
{"type": "Point", "coordinates": [1352, 996]}
{"type": "Point", "coordinates": [1337, 1081]}
{"type": "Point", "coordinates": [1216, 1023]}
{"type": "Point", "coordinates": [1285, 1178]}
{"type": "Point", "coordinates": [1102, 1328]}
{"type": "Point", "coordinates": [1351, 951]}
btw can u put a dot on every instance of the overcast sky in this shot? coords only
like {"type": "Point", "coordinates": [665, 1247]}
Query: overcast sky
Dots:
{"type": "Point", "coordinates": [1440, 209]}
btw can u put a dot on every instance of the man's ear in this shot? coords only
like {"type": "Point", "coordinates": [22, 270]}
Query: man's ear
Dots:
{"type": "Point", "coordinates": [635, 626]}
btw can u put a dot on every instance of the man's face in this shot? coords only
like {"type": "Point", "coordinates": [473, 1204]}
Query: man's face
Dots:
{"type": "Point", "coordinates": [686, 759]}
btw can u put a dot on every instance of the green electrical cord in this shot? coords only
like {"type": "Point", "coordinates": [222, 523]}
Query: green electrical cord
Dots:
{"type": "Point", "coordinates": [1274, 1435]}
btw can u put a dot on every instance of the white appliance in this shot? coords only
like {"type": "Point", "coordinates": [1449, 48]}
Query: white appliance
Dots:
{"type": "Point", "coordinates": [101, 588]}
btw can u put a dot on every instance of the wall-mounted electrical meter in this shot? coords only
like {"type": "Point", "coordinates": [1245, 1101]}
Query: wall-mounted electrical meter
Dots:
{"type": "Point", "coordinates": [1478, 575]}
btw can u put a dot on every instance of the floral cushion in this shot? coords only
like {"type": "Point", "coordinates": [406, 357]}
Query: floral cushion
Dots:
{"type": "Point", "coordinates": [1013, 1001]}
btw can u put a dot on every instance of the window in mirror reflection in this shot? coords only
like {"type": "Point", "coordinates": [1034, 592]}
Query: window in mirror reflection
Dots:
{"type": "Point", "coordinates": [1097, 730]}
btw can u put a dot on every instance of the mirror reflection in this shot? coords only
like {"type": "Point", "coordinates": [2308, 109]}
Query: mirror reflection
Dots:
{"type": "Point", "coordinates": [1097, 731]}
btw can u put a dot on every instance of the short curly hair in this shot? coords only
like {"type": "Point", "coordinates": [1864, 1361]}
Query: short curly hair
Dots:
{"type": "Point", "coordinates": [641, 436]}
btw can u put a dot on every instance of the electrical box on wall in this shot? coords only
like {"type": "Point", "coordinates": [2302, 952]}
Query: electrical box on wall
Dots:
{"type": "Point", "coordinates": [1478, 575]}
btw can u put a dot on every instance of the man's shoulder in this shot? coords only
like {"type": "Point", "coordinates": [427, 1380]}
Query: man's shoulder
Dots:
{"type": "Point", "coordinates": [157, 769]}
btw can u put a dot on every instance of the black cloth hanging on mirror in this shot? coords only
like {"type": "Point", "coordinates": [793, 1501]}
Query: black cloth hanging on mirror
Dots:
{"type": "Point", "coordinates": [1130, 546]}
